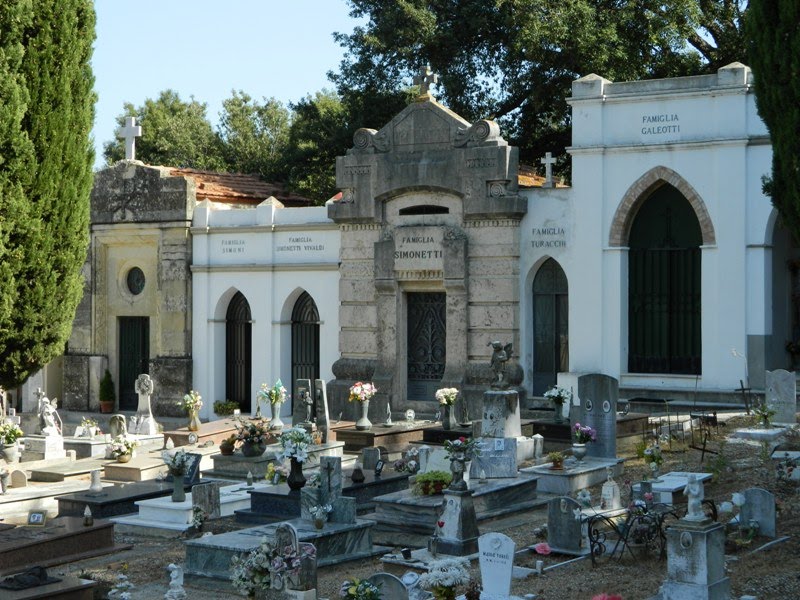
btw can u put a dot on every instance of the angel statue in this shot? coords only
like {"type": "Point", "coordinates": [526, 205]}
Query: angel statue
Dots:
{"type": "Point", "coordinates": [500, 356]}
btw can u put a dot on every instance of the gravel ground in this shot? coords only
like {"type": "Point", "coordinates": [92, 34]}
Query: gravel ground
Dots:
{"type": "Point", "coordinates": [768, 574]}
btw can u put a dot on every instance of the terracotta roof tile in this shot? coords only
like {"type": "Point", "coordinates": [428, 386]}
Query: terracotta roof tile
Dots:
{"type": "Point", "coordinates": [238, 188]}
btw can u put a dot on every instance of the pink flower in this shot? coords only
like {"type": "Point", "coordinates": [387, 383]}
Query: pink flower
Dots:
{"type": "Point", "coordinates": [648, 496]}
{"type": "Point", "coordinates": [542, 548]}
{"type": "Point", "coordinates": [605, 596]}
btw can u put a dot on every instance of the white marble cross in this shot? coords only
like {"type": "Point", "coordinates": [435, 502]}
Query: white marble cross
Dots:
{"type": "Point", "coordinates": [130, 132]}
{"type": "Point", "coordinates": [548, 161]}
{"type": "Point", "coordinates": [424, 79]}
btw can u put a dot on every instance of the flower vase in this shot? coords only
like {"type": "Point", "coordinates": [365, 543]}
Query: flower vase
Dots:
{"type": "Point", "coordinates": [319, 523]}
{"type": "Point", "coordinates": [296, 480]}
{"type": "Point", "coordinates": [579, 451]}
{"type": "Point", "coordinates": [194, 421]}
{"type": "Point", "coordinates": [275, 422]}
{"type": "Point", "coordinates": [251, 449]}
{"type": "Point", "coordinates": [448, 417]}
{"type": "Point", "coordinates": [178, 492]}
{"type": "Point", "coordinates": [558, 412]}
{"type": "Point", "coordinates": [123, 458]}
{"type": "Point", "coordinates": [11, 452]}
{"type": "Point", "coordinates": [4, 477]}
{"type": "Point", "coordinates": [364, 424]}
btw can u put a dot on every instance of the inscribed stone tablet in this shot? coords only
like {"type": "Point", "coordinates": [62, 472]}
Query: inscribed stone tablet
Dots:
{"type": "Point", "coordinates": [564, 532]}
{"type": "Point", "coordinates": [599, 395]}
{"type": "Point", "coordinates": [206, 496]}
{"type": "Point", "coordinates": [781, 395]}
{"type": "Point", "coordinates": [759, 506]}
{"type": "Point", "coordinates": [391, 587]}
{"type": "Point", "coordinates": [496, 557]}
{"type": "Point", "coordinates": [498, 458]}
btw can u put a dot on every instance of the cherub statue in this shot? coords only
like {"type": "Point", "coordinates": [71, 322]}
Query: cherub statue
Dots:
{"type": "Point", "coordinates": [695, 494]}
{"type": "Point", "coordinates": [48, 416]}
{"type": "Point", "coordinates": [500, 356]}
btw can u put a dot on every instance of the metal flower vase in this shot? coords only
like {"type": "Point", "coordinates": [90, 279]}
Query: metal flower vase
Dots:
{"type": "Point", "coordinates": [194, 421]}
{"type": "Point", "coordinates": [449, 417]}
{"type": "Point", "coordinates": [295, 480]}
{"type": "Point", "coordinates": [178, 491]}
{"type": "Point", "coordinates": [363, 423]}
{"type": "Point", "coordinates": [275, 422]}
{"type": "Point", "coordinates": [579, 451]}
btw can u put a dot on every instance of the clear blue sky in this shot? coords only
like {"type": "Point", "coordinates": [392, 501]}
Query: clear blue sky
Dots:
{"type": "Point", "coordinates": [206, 48]}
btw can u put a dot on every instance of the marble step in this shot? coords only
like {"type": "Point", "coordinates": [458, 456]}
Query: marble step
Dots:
{"type": "Point", "coordinates": [16, 502]}
{"type": "Point", "coordinates": [574, 476]}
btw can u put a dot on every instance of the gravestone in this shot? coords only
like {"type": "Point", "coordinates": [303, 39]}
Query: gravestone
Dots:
{"type": "Point", "coordinates": [117, 426]}
{"type": "Point", "coordinates": [538, 445]}
{"type": "Point", "coordinates": [192, 474]}
{"type": "Point", "coordinates": [610, 498]}
{"type": "Point", "coordinates": [306, 579]}
{"type": "Point", "coordinates": [459, 534]}
{"type": "Point", "coordinates": [501, 417]}
{"type": "Point", "coordinates": [329, 491]}
{"type": "Point", "coordinates": [370, 458]}
{"type": "Point", "coordinates": [144, 423]}
{"type": "Point", "coordinates": [433, 459]}
{"type": "Point", "coordinates": [695, 562]}
{"type": "Point", "coordinates": [323, 417]}
{"type": "Point", "coordinates": [565, 532]}
{"type": "Point", "coordinates": [303, 409]}
{"type": "Point", "coordinates": [497, 458]}
{"type": "Point", "coordinates": [18, 479]}
{"type": "Point", "coordinates": [781, 395]}
{"type": "Point", "coordinates": [206, 496]}
{"type": "Point", "coordinates": [391, 587]}
{"type": "Point", "coordinates": [496, 558]}
{"type": "Point", "coordinates": [598, 397]}
{"type": "Point", "coordinates": [759, 506]}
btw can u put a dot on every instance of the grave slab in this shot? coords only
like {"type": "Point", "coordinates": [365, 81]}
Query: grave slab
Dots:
{"type": "Point", "coordinates": [773, 434]}
{"type": "Point", "coordinates": [96, 447]}
{"type": "Point", "coordinates": [759, 506]}
{"type": "Point", "coordinates": [394, 438]}
{"type": "Point", "coordinates": [575, 476]}
{"type": "Point", "coordinates": [237, 466]}
{"type": "Point", "coordinates": [68, 470]}
{"type": "Point", "coordinates": [338, 542]}
{"type": "Point", "coordinates": [214, 431]}
{"type": "Point", "coordinates": [61, 540]}
{"type": "Point", "coordinates": [628, 426]}
{"type": "Point", "coordinates": [18, 501]}
{"type": "Point", "coordinates": [69, 588]}
{"type": "Point", "coordinates": [114, 500]}
{"type": "Point", "coordinates": [405, 512]}
{"type": "Point", "coordinates": [668, 488]}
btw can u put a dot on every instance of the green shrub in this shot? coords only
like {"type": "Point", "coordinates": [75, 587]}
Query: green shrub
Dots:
{"type": "Point", "coordinates": [107, 393]}
{"type": "Point", "coordinates": [225, 407]}
{"type": "Point", "coordinates": [432, 482]}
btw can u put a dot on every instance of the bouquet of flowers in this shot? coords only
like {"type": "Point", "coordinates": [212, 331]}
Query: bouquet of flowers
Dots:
{"type": "Point", "coordinates": [9, 432]}
{"type": "Point", "coordinates": [88, 422]}
{"type": "Point", "coordinates": [121, 445]}
{"type": "Point", "coordinates": [191, 402]}
{"type": "Point", "coordinates": [252, 432]}
{"type": "Point", "coordinates": [468, 446]}
{"type": "Point", "coordinates": [409, 462]}
{"type": "Point", "coordinates": [295, 443]}
{"type": "Point", "coordinates": [359, 589]}
{"type": "Point", "coordinates": [281, 471]}
{"type": "Point", "coordinates": [764, 413]}
{"type": "Point", "coordinates": [444, 576]}
{"type": "Point", "coordinates": [652, 455]}
{"type": "Point", "coordinates": [176, 461]}
{"type": "Point", "coordinates": [199, 516]}
{"type": "Point", "coordinates": [447, 396]}
{"type": "Point", "coordinates": [584, 434]}
{"type": "Point", "coordinates": [320, 511]}
{"type": "Point", "coordinates": [275, 394]}
{"type": "Point", "coordinates": [361, 392]}
{"type": "Point", "coordinates": [558, 395]}
{"type": "Point", "coordinates": [255, 571]}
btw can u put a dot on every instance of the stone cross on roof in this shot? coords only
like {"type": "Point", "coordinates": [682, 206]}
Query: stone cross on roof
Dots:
{"type": "Point", "coordinates": [424, 79]}
{"type": "Point", "coordinates": [548, 161]}
{"type": "Point", "coordinates": [130, 132]}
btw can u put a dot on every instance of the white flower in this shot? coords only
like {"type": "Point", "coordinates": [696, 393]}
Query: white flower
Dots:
{"type": "Point", "coordinates": [738, 499]}
{"type": "Point", "coordinates": [726, 507]}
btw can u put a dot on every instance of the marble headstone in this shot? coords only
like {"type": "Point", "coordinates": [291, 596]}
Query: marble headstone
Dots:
{"type": "Point", "coordinates": [392, 588]}
{"type": "Point", "coordinates": [117, 426]}
{"type": "Point", "coordinates": [781, 395]}
{"type": "Point", "coordinates": [18, 479]}
{"type": "Point", "coordinates": [370, 457]}
{"type": "Point", "coordinates": [145, 424]}
{"type": "Point", "coordinates": [598, 396]}
{"type": "Point", "coordinates": [538, 445]}
{"type": "Point", "coordinates": [497, 458]}
{"type": "Point", "coordinates": [564, 531]}
{"type": "Point", "coordinates": [192, 473]}
{"type": "Point", "coordinates": [496, 558]}
{"type": "Point", "coordinates": [323, 417]}
{"type": "Point", "coordinates": [759, 506]}
{"type": "Point", "coordinates": [501, 416]}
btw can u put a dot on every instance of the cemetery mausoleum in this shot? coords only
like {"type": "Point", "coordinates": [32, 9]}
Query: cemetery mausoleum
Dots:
{"type": "Point", "coordinates": [663, 265]}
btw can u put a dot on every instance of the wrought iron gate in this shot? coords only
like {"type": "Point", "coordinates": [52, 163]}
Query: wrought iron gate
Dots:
{"type": "Point", "coordinates": [238, 352]}
{"type": "Point", "coordinates": [427, 336]}
{"type": "Point", "coordinates": [550, 326]}
{"type": "Point", "coordinates": [305, 340]}
{"type": "Point", "coordinates": [134, 358]}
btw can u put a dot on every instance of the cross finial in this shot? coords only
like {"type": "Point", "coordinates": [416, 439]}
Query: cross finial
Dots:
{"type": "Point", "coordinates": [548, 161]}
{"type": "Point", "coordinates": [424, 79]}
{"type": "Point", "coordinates": [130, 132]}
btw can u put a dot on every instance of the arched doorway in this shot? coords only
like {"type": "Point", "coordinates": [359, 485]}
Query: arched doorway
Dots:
{"type": "Point", "coordinates": [550, 326]}
{"type": "Point", "coordinates": [664, 307]}
{"type": "Point", "coordinates": [305, 340]}
{"type": "Point", "coordinates": [238, 352]}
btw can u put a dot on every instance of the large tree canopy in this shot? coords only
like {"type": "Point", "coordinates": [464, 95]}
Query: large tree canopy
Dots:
{"type": "Point", "coordinates": [46, 114]}
{"type": "Point", "coordinates": [514, 60]}
{"type": "Point", "coordinates": [773, 32]}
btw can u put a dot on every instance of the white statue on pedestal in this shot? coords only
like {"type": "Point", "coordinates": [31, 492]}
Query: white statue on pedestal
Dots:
{"type": "Point", "coordinates": [49, 420]}
{"type": "Point", "coordinates": [144, 423]}
{"type": "Point", "coordinates": [176, 591]}
{"type": "Point", "coordinates": [695, 494]}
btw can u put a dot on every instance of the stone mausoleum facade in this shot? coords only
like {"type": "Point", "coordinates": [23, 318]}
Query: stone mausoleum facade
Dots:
{"type": "Point", "coordinates": [663, 265]}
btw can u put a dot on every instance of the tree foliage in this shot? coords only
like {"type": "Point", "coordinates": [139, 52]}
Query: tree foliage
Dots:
{"type": "Point", "coordinates": [514, 60]}
{"type": "Point", "coordinates": [773, 32]}
{"type": "Point", "coordinates": [46, 114]}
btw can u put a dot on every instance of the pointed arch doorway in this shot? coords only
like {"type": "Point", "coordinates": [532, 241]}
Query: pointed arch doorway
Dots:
{"type": "Point", "coordinates": [238, 352]}
{"type": "Point", "coordinates": [305, 340]}
{"type": "Point", "coordinates": [550, 325]}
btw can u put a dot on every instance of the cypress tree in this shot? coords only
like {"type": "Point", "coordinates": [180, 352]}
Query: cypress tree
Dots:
{"type": "Point", "coordinates": [773, 32]}
{"type": "Point", "coordinates": [45, 232]}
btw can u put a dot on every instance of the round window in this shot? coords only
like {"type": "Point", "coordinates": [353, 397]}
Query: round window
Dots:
{"type": "Point", "coordinates": [135, 281]}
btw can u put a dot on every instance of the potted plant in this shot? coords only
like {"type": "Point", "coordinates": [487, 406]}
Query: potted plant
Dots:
{"type": "Point", "coordinates": [225, 408]}
{"type": "Point", "coordinates": [432, 482]}
{"type": "Point", "coordinates": [121, 448]}
{"type": "Point", "coordinates": [558, 396]}
{"type": "Point", "coordinates": [557, 459]}
{"type": "Point", "coordinates": [227, 446]}
{"type": "Point", "coordinates": [9, 434]}
{"type": "Point", "coordinates": [253, 436]}
{"type": "Point", "coordinates": [106, 394]}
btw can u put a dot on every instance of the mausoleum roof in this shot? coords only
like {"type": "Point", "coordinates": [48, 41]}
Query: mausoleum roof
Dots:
{"type": "Point", "coordinates": [238, 188]}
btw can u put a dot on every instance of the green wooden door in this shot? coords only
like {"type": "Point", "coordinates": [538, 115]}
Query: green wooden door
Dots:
{"type": "Point", "coordinates": [134, 358]}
